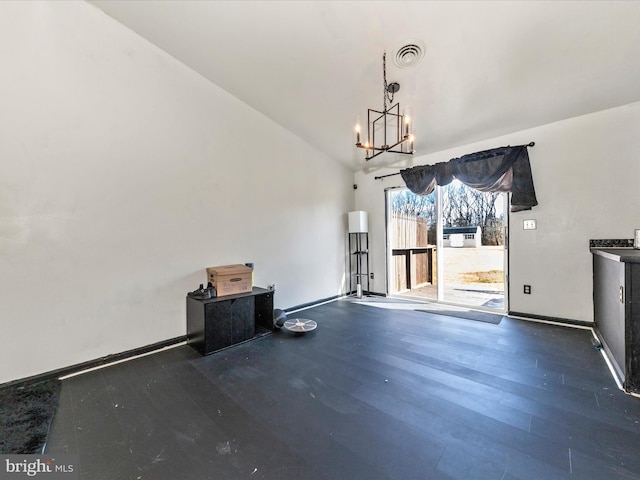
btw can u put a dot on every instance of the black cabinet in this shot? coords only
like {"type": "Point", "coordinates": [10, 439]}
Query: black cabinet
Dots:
{"type": "Point", "coordinates": [616, 304]}
{"type": "Point", "coordinates": [218, 323]}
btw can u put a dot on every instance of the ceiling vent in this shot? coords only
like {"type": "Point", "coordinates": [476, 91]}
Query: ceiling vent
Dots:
{"type": "Point", "coordinates": [409, 53]}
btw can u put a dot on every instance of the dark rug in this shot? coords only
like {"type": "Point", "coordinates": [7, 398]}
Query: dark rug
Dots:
{"type": "Point", "coordinates": [26, 412]}
{"type": "Point", "coordinates": [466, 314]}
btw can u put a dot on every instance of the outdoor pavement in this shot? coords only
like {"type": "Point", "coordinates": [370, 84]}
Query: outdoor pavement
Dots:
{"type": "Point", "coordinates": [458, 291]}
{"type": "Point", "coordinates": [471, 294]}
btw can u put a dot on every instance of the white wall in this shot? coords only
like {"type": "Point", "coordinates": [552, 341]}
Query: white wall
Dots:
{"type": "Point", "coordinates": [586, 172]}
{"type": "Point", "coordinates": [123, 174]}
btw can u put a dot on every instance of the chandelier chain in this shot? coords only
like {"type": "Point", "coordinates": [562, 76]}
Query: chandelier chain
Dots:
{"type": "Point", "coordinates": [388, 96]}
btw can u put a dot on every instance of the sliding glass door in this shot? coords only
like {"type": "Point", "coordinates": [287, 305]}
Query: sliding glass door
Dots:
{"type": "Point", "coordinates": [411, 243]}
{"type": "Point", "coordinates": [449, 247]}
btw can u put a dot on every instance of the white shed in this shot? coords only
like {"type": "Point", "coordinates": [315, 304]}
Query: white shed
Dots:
{"type": "Point", "coordinates": [462, 237]}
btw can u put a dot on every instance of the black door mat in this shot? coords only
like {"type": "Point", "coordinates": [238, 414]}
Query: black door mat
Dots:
{"type": "Point", "coordinates": [27, 412]}
{"type": "Point", "coordinates": [466, 314]}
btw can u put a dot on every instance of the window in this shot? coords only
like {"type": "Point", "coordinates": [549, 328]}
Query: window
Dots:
{"type": "Point", "coordinates": [469, 236]}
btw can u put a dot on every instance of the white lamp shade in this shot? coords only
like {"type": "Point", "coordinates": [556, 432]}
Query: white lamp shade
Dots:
{"type": "Point", "coordinates": [358, 222]}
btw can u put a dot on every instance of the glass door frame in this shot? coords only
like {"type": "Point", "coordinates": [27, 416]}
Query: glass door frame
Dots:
{"type": "Point", "coordinates": [440, 249]}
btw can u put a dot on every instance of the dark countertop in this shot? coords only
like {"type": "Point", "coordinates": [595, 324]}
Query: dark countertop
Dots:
{"type": "Point", "coordinates": [628, 255]}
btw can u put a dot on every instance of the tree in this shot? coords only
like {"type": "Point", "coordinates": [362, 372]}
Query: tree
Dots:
{"type": "Point", "coordinates": [462, 206]}
{"type": "Point", "coordinates": [403, 201]}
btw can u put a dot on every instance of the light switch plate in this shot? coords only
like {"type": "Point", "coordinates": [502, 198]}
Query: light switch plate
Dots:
{"type": "Point", "coordinates": [529, 224]}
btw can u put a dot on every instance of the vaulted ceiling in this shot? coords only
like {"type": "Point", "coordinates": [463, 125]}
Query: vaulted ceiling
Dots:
{"type": "Point", "coordinates": [490, 68]}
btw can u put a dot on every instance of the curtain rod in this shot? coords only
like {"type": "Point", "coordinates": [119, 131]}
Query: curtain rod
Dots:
{"type": "Point", "coordinates": [530, 144]}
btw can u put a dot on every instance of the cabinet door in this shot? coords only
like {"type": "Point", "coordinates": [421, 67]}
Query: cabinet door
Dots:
{"type": "Point", "coordinates": [242, 319]}
{"type": "Point", "coordinates": [609, 311]}
{"type": "Point", "coordinates": [218, 320]}
{"type": "Point", "coordinates": [195, 325]}
{"type": "Point", "coordinates": [632, 319]}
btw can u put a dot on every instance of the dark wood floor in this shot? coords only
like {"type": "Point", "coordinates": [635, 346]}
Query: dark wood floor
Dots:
{"type": "Point", "coordinates": [371, 394]}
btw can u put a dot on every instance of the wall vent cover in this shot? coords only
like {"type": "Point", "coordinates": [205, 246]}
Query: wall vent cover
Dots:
{"type": "Point", "coordinates": [409, 53]}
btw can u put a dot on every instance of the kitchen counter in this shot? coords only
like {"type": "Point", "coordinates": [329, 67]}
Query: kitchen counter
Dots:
{"type": "Point", "coordinates": [616, 303]}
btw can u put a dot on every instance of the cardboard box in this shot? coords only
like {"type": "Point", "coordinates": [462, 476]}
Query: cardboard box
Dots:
{"type": "Point", "coordinates": [231, 279]}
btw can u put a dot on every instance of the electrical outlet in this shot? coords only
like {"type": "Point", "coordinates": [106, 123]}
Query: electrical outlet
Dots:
{"type": "Point", "coordinates": [371, 275]}
{"type": "Point", "coordinates": [529, 224]}
{"type": "Point", "coordinates": [527, 289]}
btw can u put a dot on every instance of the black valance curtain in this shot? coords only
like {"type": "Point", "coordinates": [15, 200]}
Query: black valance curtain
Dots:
{"type": "Point", "coordinates": [504, 169]}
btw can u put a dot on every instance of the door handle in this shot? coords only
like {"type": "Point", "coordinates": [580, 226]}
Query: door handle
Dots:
{"type": "Point", "coordinates": [621, 294]}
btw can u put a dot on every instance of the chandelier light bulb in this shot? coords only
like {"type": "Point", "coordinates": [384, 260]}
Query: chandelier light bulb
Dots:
{"type": "Point", "coordinates": [407, 116]}
{"type": "Point", "coordinates": [357, 129]}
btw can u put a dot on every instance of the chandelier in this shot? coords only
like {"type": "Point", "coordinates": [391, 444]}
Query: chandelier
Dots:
{"type": "Point", "coordinates": [387, 130]}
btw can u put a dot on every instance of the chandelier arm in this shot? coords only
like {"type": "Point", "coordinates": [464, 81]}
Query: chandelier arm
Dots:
{"type": "Point", "coordinates": [404, 139]}
{"type": "Point", "coordinates": [381, 149]}
{"type": "Point", "coordinates": [385, 148]}
{"type": "Point", "coordinates": [374, 155]}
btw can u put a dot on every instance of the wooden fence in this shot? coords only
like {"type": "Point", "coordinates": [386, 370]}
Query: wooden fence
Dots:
{"type": "Point", "coordinates": [409, 230]}
{"type": "Point", "coordinates": [413, 257]}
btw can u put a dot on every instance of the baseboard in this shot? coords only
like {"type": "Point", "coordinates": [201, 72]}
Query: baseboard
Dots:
{"type": "Point", "coordinates": [116, 357]}
{"type": "Point", "coordinates": [566, 321]}
{"type": "Point", "coordinates": [329, 299]}
{"type": "Point", "coordinates": [615, 368]}
{"type": "Point", "coordinates": [366, 294]}
{"type": "Point", "coordinates": [65, 371]}
{"type": "Point", "coordinates": [302, 306]}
